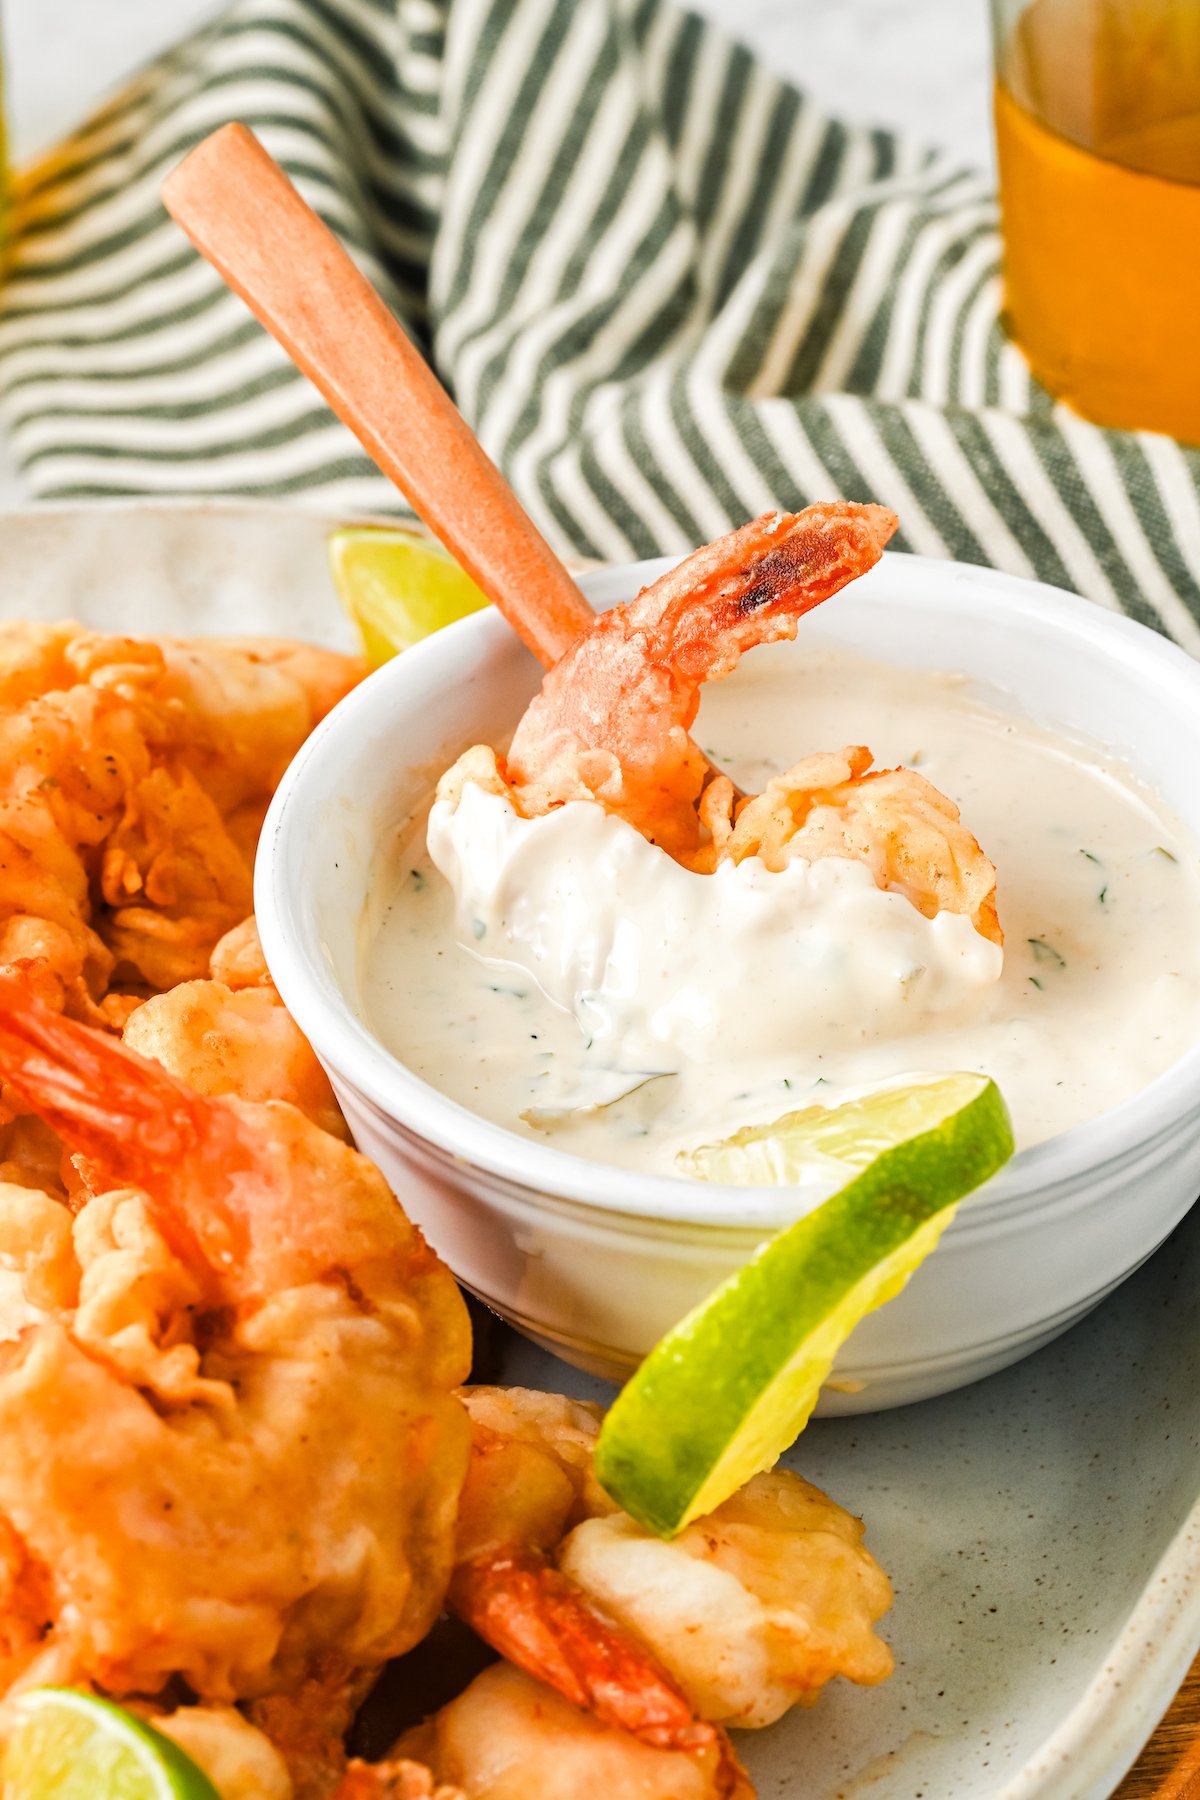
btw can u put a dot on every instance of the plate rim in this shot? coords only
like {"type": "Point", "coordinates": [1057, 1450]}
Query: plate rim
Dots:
{"type": "Point", "coordinates": [1099, 1739]}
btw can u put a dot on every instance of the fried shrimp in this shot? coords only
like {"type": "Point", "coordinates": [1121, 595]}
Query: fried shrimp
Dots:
{"type": "Point", "coordinates": [232, 1453]}
{"type": "Point", "coordinates": [749, 1611]}
{"type": "Point", "coordinates": [235, 1036]}
{"type": "Point", "coordinates": [241, 1763]}
{"type": "Point", "coordinates": [611, 722]}
{"type": "Point", "coordinates": [530, 1478]}
{"type": "Point", "coordinates": [509, 1737]}
{"type": "Point", "coordinates": [611, 725]}
{"type": "Point", "coordinates": [753, 1608]}
{"type": "Point", "coordinates": [134, 775]}
{"type": "Point", "coordinates": [905, 830]}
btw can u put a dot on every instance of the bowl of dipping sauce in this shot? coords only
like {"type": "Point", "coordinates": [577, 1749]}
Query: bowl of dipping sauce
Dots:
{"type": "Point", "coordinates": [544, 1169]}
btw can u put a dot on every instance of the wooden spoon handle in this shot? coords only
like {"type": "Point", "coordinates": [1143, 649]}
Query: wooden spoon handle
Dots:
{"type": "Point", "coordinates": [243, 214]}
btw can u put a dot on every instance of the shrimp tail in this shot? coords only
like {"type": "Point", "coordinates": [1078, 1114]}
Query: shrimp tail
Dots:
{"type": "Point", "coordinates": [126, 1115]}
{"type": "Point", "coordinates": [612, 719]}
{"type": "Point", "coordinates": [757, 584]}
{"type": "Point", "coordinates": [542, 1622]}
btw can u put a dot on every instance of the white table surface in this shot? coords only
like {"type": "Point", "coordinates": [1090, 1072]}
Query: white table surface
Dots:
{"type": "Point", "coordinates": [918, 65]}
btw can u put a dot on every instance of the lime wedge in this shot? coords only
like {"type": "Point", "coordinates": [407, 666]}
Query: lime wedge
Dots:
{"type": "Point", "coordinates": [68, 1746]}
{"type": "Point", "coordinates": [725, 1393]}
{"type": "Point", "coordinates": [398, 587]}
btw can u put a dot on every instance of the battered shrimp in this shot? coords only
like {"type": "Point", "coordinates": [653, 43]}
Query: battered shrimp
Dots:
{"type": "Point", "coordinates": [611, 725]}
{"type": "Point", "coordinates": [611, 721]}
{"type": "Point", "coordinates": [232, 1453]}
{"type": "Point", "coordinates": [240, 1761]}
{"type": "Point", "coordinates": [509, 1738]}
{"type": "Point", "coordinates": [750, 1610]}
{"type": "Point", "coordinates": [530, 1478]}
{"type": "Point", "coordinates": [133, 780]}
{"type": "Point", "coordinates": [238, 959]}
{"type": "Point", "coordinates": [236, 1037]}
{"type": "Point", "coordinates": [908, 833]}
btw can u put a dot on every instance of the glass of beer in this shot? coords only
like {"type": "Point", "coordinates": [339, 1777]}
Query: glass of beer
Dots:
{"type": "Point", "coordinates": [1098, 140]}
{"type": "Point", "coordinates": [3, 163]}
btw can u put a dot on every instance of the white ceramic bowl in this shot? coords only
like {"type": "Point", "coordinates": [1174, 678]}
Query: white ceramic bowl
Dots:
{"type": "Point", "coordinates": [597, 1262]}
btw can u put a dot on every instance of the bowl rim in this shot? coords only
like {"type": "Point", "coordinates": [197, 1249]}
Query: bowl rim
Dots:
{"type": "Point", "coordinates": [355, 1056]}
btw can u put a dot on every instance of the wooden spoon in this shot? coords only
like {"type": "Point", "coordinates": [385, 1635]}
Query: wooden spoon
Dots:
{"type": "Point", "coordinates": [245, 217]}
{"type": "Point", "coordinates": [243, 214]}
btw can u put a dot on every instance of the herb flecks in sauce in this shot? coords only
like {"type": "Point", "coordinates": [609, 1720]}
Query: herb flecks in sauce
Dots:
{"type": "Point", "coordinates": [1061, 820]}
{"type": "Point", "coordinates": [1046, 953]}
{"type": "Point", "coordinates": [1102, 896]}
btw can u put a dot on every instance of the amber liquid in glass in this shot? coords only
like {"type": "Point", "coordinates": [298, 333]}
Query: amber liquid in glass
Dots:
{"type": "Point", "coordinates": [1098, 136]}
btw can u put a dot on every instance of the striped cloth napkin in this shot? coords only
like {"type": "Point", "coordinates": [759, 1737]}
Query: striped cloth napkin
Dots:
{"type": "Point", "coordinates": [664, 289]}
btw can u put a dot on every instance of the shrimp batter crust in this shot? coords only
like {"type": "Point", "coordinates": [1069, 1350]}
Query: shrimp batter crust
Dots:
{"type": "Point", "coordinates": [232, 1034]}
{"type": "Point", "coordinates": [508, 1737]}
{"type": "Point", "coordinates": [749, 1611]}
{"type": "Point", "coordinates": [134, 776]}
{"type": "Point", "coordinates": [232, 1452]}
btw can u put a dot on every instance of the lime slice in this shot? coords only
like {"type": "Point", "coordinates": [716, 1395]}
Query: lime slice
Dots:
{"type": "Point", "coordinates": [398, 587]}
{"type": "Point", "coordinates": [725, 1393]}
{"type": "Point", "coordinates": [68, 1746]}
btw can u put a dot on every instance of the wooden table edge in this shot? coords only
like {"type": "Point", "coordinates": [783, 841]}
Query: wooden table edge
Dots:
{"type": "Point", "coordinates": [1169, 1766]}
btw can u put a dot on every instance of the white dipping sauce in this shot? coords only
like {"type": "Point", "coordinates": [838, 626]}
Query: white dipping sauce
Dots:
{"type": "Point", "coordinates": [583, 965]}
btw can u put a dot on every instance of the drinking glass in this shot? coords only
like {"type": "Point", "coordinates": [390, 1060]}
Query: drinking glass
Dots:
{"type": "Point", "coordinates": [1098, 142]}
{"type": "Point", "coordinates": [3, 154]}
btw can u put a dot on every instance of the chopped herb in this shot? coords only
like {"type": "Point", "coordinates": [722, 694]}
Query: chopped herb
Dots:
{"type": "Point", "coordinates": [1037, 984]}
{"type": "Point", "coordinates": [547, 1118]}
{"type": "Point", "coordinates": [1161, 850]}
{"type": "Point", "coordinates": [786, 1082]}
{"type": "Point", "coordinates": [1103, 896]}
{"type": "Point", "coordinates": [1046, 953]}
{"type": "Point", "coordinates": [418, 879]}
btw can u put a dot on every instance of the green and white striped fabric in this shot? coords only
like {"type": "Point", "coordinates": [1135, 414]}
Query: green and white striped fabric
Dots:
{"type": "Point", "coordinates": [667, 292]}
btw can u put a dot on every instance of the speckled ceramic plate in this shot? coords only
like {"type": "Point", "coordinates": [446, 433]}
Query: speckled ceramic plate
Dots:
{"type": "Point", "coordinates": [1042, 1528]}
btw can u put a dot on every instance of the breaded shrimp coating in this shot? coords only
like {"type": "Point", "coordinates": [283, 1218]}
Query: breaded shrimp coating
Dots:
{"type": "Point", "coordinates": [236, 1039]}
{"type": "Point", "coordinates": [134, 775]}
{"type": "Point", "coordinates": [905, 830]}
{"type": "Point", "coordinates": [232, 1453]}
{"type": "Point", "coordinates": [510, 1738]}
{"type": "Point", "coordinates": [749, 1611]}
